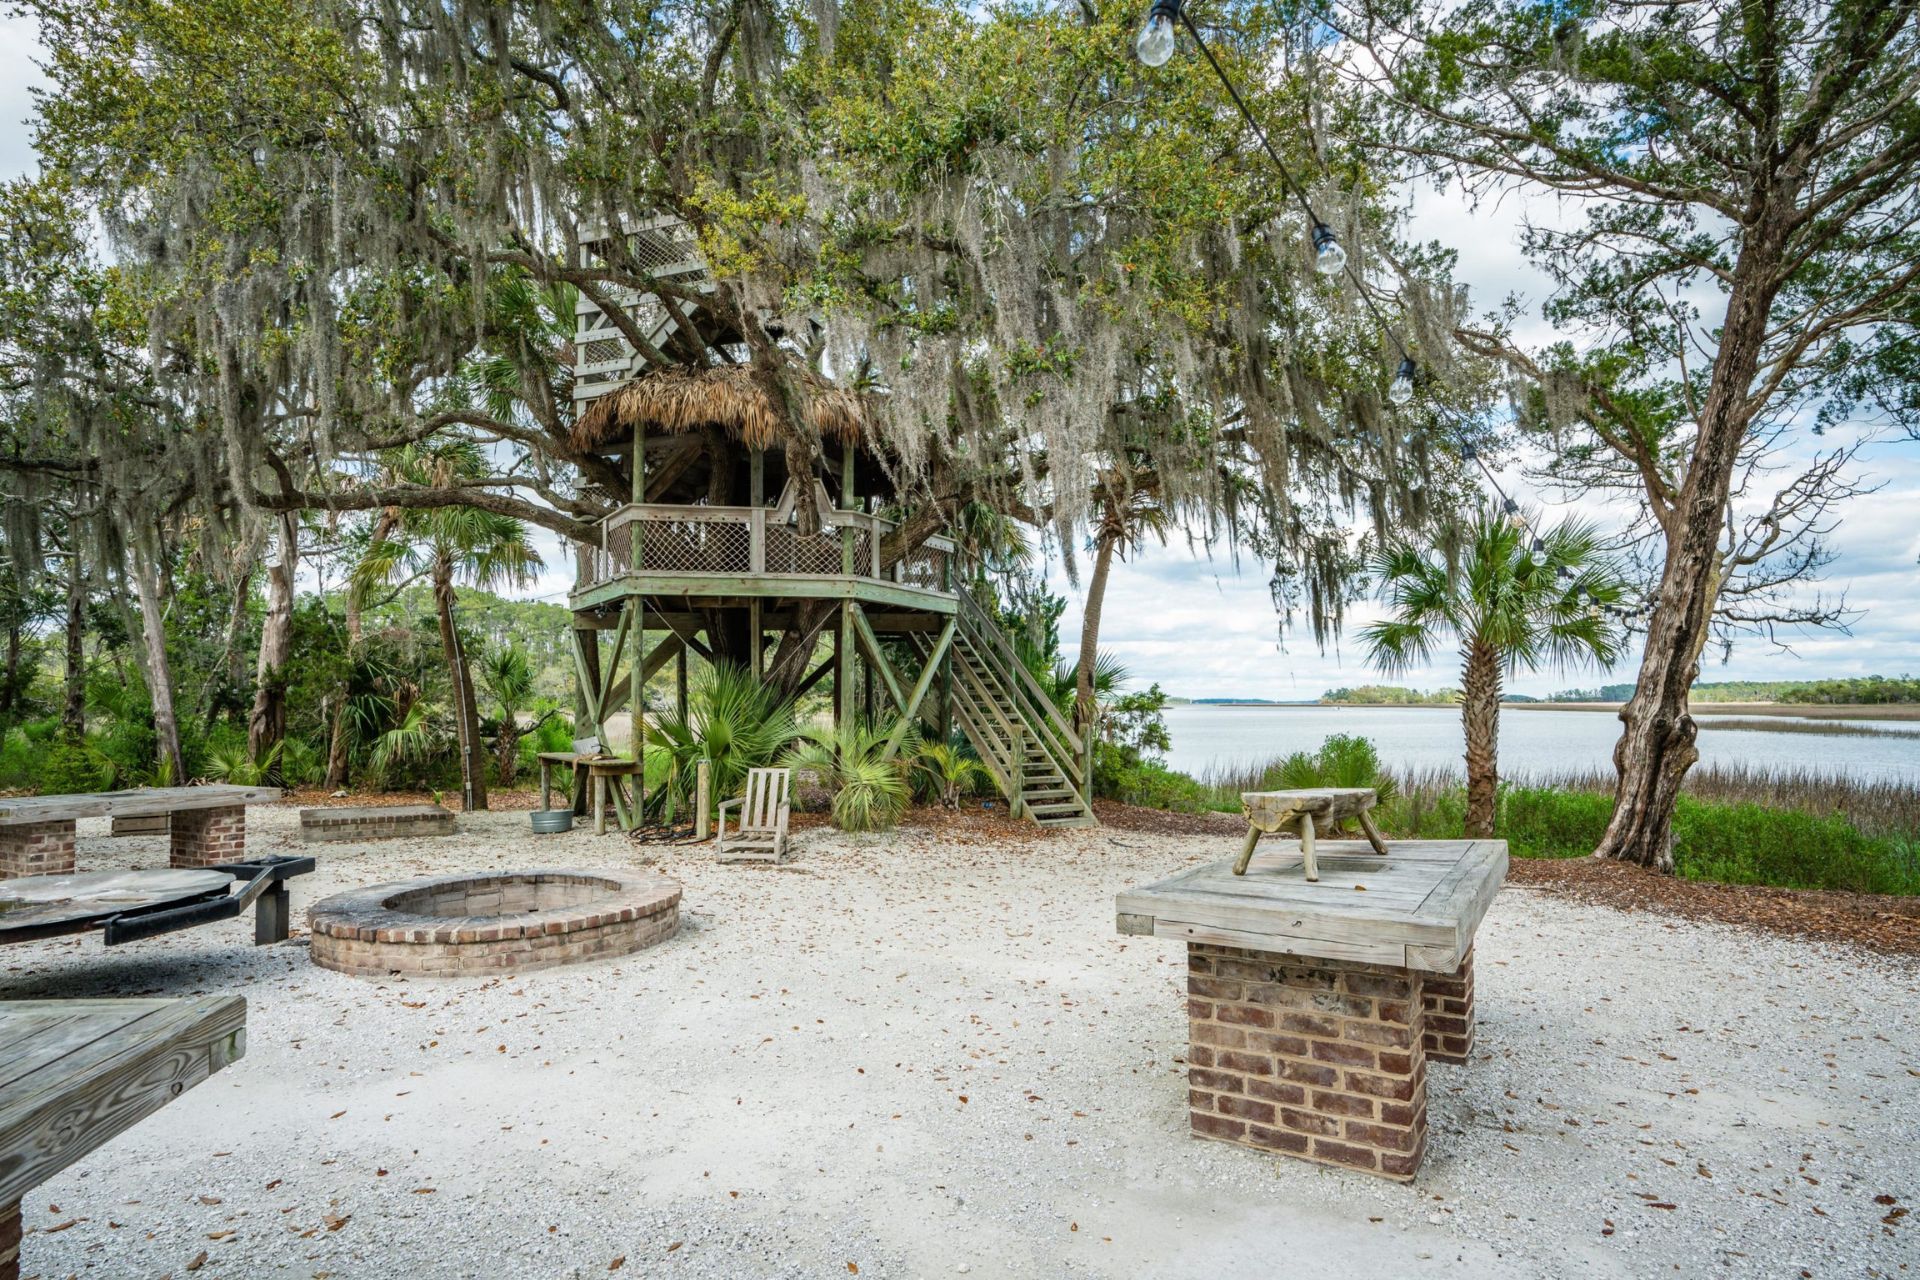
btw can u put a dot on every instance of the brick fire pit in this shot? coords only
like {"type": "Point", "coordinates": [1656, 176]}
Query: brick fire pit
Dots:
{"type": "Point", "coordinates": [493, 922]}
{"type": "Point", "coordinates": [1314, 1008]}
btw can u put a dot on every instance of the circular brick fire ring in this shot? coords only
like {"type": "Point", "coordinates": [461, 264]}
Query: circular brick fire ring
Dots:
{"type": "Point", "coordinates": [494, 922]}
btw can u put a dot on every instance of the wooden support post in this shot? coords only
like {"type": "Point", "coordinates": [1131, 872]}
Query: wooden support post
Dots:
{"type": "Point", "coordinates": [639, 736]}
{"type": "Point", "coordinates": [842, 668]}
{"type": "Point", "coordinates": [756, 639]}
{"type": "Point", "coordinates": [757, 477]}
{"type": "Point", "coordinates": [946, 689]}
{"type": "Point", "coordinates": [702, 800]}
{"type": "Point", "coordinates": [680, 682]}
{"type": "Point", "coordinates": [911, 708]}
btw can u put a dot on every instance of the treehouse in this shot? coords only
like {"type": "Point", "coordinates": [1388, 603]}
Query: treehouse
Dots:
{"type": "Point", "coordinates": [796, 559]}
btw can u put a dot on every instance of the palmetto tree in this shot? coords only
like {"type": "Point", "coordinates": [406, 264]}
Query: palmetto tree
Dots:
{"type": "Point", "coordinates": [446, 545]}
{"type": "Point", "coordinates": [1515, 602]}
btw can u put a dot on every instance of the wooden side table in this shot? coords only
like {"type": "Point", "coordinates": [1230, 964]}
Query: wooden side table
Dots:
{"type": "Point", "coordinates": [1269, 812]}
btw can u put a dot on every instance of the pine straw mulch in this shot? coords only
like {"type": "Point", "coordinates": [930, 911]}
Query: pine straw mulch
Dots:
{"type": "Point", "coordinates": [1890, 925]}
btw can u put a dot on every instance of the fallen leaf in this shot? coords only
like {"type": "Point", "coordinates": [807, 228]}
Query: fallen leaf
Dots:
{"type": "Point", "coordinates": [675, 1245]}
{"type": "Point", "coordinates": [199, 1261]}
{"type": "Point", "coordinates": [336, 1115]}
{"type": "Point", "coordinates": [335, 1223]}
{"type": "Point", "coordinates": [617, 1263]}
{"type": "Point", "coordinates": [209, 1199]}
{"type": "Point", "coordinates": [273, 1184]}
{"type": "Point", "coordinates": [852, 1269]}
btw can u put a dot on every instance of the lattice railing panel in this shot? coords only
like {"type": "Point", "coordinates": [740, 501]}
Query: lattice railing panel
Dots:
{"type": "Point", "coordinates": [705, 547]}
{"type": "Point", "coordinates": [790, 551]}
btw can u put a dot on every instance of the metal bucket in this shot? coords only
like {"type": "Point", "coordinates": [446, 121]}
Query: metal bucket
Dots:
{"type": "Point", "coordinates": [547, 822]}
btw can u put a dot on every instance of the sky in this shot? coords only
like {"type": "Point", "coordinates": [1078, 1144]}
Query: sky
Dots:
{"type": "Point", "coordinates": [1204, 628]}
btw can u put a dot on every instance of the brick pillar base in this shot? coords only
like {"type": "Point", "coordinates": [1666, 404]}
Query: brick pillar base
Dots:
{"type": "Point", "coordinates": [205, 837]}
{"type": "Point", "coordinates": [1321, 1059]}
{"type": "Point", "coordinates": [1448, 1001]}
{"type": "Point", "coordinates": [36, 849]}
{"type": "Point", "coordinates": [10, 1241]}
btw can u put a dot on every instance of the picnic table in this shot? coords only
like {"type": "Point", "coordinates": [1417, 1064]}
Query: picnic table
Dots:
{"type": "Point", "coordinates": [76, 1073]}
{"type": "Point", "coordinates": [129, 905]}
{"type": "Point", "coordinates": [598, 774]}
{"type": "Point", "coordinates": [207, 825]}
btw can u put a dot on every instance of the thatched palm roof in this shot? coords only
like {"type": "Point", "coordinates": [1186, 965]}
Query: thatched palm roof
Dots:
{"type": "Point", "coordinates": [673, 401]}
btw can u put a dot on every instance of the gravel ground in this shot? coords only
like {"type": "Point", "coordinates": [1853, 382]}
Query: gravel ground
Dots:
{"type": "Point", "coordinates": [929, 1054]}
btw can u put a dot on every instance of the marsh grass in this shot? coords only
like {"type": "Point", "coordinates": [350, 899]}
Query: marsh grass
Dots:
{"type": "Point", "coordinates": [1790, 827]}
{"type": "Point", "coordinates": [1782, 724]}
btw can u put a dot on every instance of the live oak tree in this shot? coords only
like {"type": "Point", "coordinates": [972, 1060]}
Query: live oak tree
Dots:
{"type": "Point", "coordinates": [1744, 277]}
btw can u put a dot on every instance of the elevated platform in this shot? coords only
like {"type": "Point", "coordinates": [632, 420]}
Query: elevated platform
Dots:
{"type": "Point", "coordinates": [713, 556]}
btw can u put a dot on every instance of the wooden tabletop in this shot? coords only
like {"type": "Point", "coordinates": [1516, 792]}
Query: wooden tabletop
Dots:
{"type": "Point", "coordinates": [141, 803]}
{"type": "Point", "coordinates": [32, 901]}
{"type": "Point", "coordinates": [74, 1073]}
{"type": "Point", "coordinates": [1416, 908]}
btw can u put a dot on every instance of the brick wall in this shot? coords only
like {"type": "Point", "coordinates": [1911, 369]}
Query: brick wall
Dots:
{"type": "Point", "coordinates": [36, 849]}
{"type": "Point", "coordinates": [326, 825]}
{"type": "Point", "coordinates": [1321, 1059]}
{"type": "Point", "coordinates": [205, 837]}
{"type": "Point", "coordinates": [1448, 1002]}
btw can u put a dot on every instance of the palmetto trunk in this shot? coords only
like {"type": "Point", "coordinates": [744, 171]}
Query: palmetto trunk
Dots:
{"type": "Point", "coordinates": [1084, 705]}
{"type": "Point", "coordinates": [1480, 716]}
{"type": "Point", "coordinates": [466, 716]}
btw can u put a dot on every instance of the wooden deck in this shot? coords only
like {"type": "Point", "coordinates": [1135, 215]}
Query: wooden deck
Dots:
{"type": "Point", "coordinates": [76, 1073]}
{"type": "Point", "coordinates": [1416, 908]}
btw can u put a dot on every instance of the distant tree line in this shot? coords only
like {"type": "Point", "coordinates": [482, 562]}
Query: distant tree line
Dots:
{"type": "Point", "coordinates": [1387, 695]}
{"type": "Point", "coordinates": [1851, 690]}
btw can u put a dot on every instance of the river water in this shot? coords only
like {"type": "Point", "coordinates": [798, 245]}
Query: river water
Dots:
{"type": "Point", "coordinates": [1531, 741]}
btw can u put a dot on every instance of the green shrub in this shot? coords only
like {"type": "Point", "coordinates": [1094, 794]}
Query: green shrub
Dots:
{"type": "Point", "coordinates": [1122, 776]}
{"type": "Point", "coordinates": [72, 768]}
{"type": "Point", "coordinates": [869, 793]}
{"type": "Point", "coordinates": [1343, 760]}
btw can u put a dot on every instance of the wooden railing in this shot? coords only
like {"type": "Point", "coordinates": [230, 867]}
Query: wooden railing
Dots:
{"type": "Point", "coordinates": [701, 542]}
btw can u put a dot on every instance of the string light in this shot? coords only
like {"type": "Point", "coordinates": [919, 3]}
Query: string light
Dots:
{"type": "Point", "coordinates": [1156, 40]}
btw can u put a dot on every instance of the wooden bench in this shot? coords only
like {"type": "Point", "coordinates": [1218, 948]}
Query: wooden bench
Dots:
{"type": "Point", "coordinates": [1269, 812]}
{"type": "Point", "coordinates": [75, 1073]}
{"type": "Point", "coordinates": [207, 825]}
{"type": "Point", "coordinates": [374, 822]}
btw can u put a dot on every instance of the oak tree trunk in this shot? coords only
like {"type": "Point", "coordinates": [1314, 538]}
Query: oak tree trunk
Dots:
{"type": "Point", "coordinates": [466, 716]}
{"type": "Point", "coordinates": [267, 726]}
{"type": "Point", "coordinates": [73, 711]}
{"type": "Point", "coordinates": [1657, 743]}
{"type": "Point", "coordinates": [153, 634]}
{"type": "Point", "coordinates": [1480, 716]}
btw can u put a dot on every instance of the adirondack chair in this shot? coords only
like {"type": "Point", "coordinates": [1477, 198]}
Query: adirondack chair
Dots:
{"type": "Point", "coordinates": [761, 833]}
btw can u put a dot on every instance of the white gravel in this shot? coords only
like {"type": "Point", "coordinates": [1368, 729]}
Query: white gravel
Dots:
{"type": "Point", "coordinates": [918, 1057]}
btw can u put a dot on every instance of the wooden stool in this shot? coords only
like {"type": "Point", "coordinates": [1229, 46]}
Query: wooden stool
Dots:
{"type": "Point", "coordinates": [1274, 811]}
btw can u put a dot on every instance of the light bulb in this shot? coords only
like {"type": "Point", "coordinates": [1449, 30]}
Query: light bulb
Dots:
{"type": "Point", "coordinates": [1400, 390]}
{"type": "Point", "coordinates": [1154, 44]}
{"type": "Point", "coordinates": [1593, 612]}
{"type": "Point", "coordinates": [1538, 554]}
{"type": "Point", "coordinates": [1328, 256]}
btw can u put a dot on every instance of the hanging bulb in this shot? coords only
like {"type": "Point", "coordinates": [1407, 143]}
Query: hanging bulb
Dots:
{"type": "Point", "coordinates": [1563, 573]}
{"type": "Point", "coordinates": [1468, 453]}
{"type": "Point", "coordinates": [1593, 612]}
{"type": "Point", "coordinates": [1515, 520]}
{"type": "Point", "coordinates": [1400, 390]}
{"type": "Point", "coordinates": [1155, 42]}
{"type": "Point", "coordinates": [1328, 256]}
{"type": "Point", "coordinates": [1538, 554]}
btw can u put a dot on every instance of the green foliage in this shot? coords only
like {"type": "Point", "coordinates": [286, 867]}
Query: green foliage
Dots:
{"type": "Point", "coordinates": [733, 720]}
{"type": "Point", "coordinates": [950, 770]}
{"type": "Point", "coordinates": [1388, 695]}
{"type": "Point", "coordinates": [1851, 690]}
{"type": "Point", "coordinates": [870, 792]}
{"type": "Point", "coordinates": [1726, 842]}
{"type": "Point", "coordinates": [1126, 777]}
{"type": "Point", "coordinates": [1342, 760]}
{"type": "Point", "coordinates": [73, 768]}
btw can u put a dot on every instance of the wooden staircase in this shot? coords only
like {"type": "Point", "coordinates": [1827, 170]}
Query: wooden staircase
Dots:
{"type": "Point", "coordinates": [1030, 749]}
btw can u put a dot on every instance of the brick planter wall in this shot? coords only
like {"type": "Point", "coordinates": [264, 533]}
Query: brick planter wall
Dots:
{"type": "Point", "coordinates": [385, 822]}
{"type": "Point", "coordinates": [36, 849]}
{"type": "Point", "coordinates": [207, 837]}
{"type": "Point", "coordinates": [1448, 1002]}
{"type": "Point", "coordinates": [515, 921]}
{"type": "Point", "coordinates": [1320, 1059]}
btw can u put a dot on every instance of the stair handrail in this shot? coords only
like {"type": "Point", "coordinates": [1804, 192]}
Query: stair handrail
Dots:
{"type": "Point", "coordinates": [1057, 737]}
